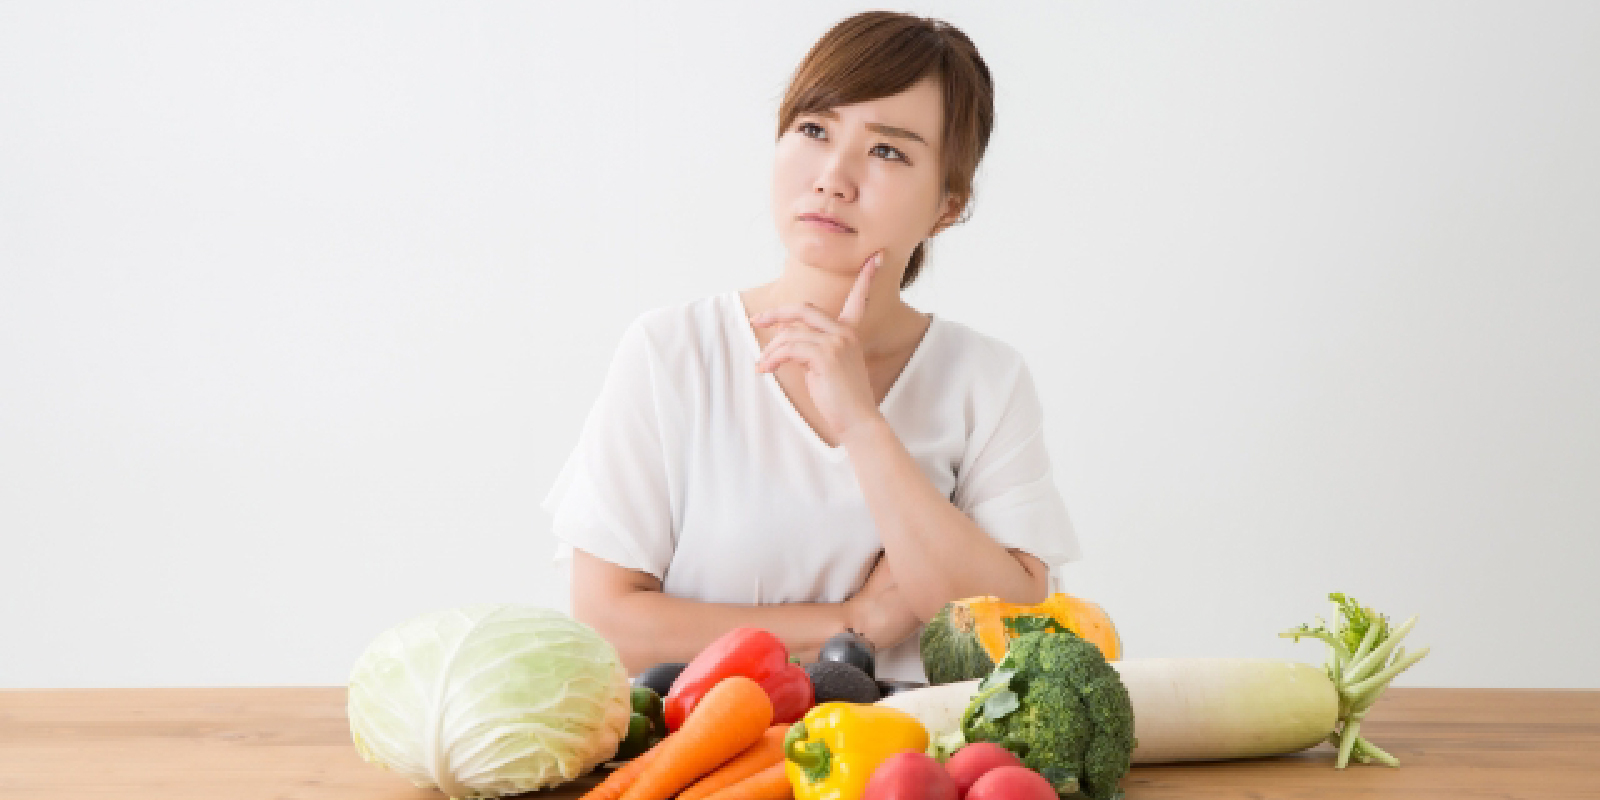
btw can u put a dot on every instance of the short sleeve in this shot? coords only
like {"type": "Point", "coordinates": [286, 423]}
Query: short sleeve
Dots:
{"type": "Point", "coordinates": [1005, 482]}
{"type": "Point", "coordinates": [612, 497]}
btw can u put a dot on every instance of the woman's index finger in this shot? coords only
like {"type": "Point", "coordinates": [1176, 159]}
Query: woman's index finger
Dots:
{"type": "Point", "coordinates": [855, 305]}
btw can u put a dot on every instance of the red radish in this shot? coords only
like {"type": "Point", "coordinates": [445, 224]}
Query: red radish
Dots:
{"type": "Point", "coordinates": [1012, 783]}
{"type": "Point", "coordinates": [910, 775]}
{"type": "Point", "coordinates": [970, 762]}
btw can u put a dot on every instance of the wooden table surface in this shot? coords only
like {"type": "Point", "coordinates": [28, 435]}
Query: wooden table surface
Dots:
{"type": "Point", "coordinates": [294, 744]}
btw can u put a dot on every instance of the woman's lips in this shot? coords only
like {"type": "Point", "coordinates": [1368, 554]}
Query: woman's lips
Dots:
{"type": "Point", "coordinates": [828, 225]}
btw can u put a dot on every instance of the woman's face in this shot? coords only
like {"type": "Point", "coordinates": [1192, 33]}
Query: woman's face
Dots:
{"type": "Point", "coordinates": [873, 166]}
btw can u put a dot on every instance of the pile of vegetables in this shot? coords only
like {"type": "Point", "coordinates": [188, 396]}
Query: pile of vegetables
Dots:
{"type": "Point", "coordinates": [1201, 709]}
{"type": "Point", "coordinates": [487, 700]}
{"type": "Point", "coordinates": [1046, 706]}
{"type": "Point", "coordinates": [838, 751]}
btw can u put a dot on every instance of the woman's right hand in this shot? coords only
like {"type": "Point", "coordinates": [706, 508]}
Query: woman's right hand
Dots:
{"type": "Point", "coordinates": [878, 612]}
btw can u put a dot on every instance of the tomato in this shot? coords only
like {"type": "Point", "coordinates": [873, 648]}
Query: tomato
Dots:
{"type": "Point", "coordinates": [970, 762]}
{"type": "Point", "coordinates": [910, 775]}
{"type": "Point", "coordinates": [1011, 783]}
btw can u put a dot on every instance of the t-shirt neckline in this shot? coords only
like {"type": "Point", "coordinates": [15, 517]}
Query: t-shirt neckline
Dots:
{"type": "Point", "coordinates": [742, 321]}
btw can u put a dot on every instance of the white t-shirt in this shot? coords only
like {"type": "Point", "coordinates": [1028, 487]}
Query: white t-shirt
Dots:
{"type": "Point", "coordinates": [694, 467]}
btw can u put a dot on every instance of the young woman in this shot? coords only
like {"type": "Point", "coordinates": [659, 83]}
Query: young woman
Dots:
{"type": "Point", "coordinates": [813, 454]}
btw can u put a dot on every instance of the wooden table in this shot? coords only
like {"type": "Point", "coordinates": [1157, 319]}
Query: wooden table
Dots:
{"type": "Point", "coordinates": [294, 744]}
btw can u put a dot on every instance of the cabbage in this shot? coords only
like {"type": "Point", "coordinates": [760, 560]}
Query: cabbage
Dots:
{"type": "Point", "coordinates": [489, 699]}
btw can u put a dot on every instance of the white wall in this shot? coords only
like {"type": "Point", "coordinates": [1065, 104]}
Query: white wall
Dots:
{"type": "Point", "coordinates": [301, 305]}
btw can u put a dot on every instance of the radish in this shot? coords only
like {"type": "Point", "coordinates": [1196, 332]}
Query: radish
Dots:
{"type": "Point", "coordinates": [1187, 709]}
{"type": "Point", "coordinates": [971, 762]}
{"type": "Point", "coordinates": [1192, 709]}
{"type": "Point", "coordinates": [1012, 783]}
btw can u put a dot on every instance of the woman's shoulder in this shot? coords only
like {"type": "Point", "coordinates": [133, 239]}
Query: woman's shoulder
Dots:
{"type": "Point", "coordinates": [981, 356]}
{"type": "Point", "coordinates": [685, 337]}
{"type": "Point", "coordinates": [685, 318]}
{"type": "Point", "coordinates": [988, 377]}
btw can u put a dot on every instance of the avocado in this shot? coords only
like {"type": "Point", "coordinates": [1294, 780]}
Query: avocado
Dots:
{"type": "Point", "coordinates": [837, 680]}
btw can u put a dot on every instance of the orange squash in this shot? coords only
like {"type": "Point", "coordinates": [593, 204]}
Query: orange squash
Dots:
{"type": "Point", "coordinates": [967, 637]}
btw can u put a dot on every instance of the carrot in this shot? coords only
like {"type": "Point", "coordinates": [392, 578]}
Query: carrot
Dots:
{"type": "Point", "coordinates": [767, 750]}
{"type": "Point", "coordinates": [771, 783]}
{"type": "Point", "coordinates": [622, 777]}
{"type": "Point", "coordinates": [728, 719]}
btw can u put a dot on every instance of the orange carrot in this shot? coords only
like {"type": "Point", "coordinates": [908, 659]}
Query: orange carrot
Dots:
{"type": "Point", "coordinates": [622, 777]}
{"type": "Point", "coordinates": [728, 719]}
{"type": "Point", "coordinates": [771, 783]}
{"type": "Point", "coordinates": [767, 750]}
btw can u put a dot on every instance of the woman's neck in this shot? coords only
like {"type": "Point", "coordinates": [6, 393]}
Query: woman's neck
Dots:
{"type": "Point", "coordinates": [882, 326]}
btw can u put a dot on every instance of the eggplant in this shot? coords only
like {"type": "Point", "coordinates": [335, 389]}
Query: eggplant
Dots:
{"type": "Point", "coordinates": [659, 678]}
{"type": "Point", "coordinates": [850, 648]}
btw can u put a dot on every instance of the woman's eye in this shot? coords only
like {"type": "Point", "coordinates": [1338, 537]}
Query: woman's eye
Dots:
{"type": "Point", "coordinates": [804, 127]}
{"type": "Point", "coordinates": [898, 156]}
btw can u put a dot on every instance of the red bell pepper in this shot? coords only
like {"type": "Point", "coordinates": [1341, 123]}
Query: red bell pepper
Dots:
{"type": "Point", "coordinates": [754, 653]}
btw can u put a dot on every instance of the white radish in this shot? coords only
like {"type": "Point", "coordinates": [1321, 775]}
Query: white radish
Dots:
{"type": "Point", "coordinates": [938, 708]}
{"type": "Point", "coordinates": [1194, 709]}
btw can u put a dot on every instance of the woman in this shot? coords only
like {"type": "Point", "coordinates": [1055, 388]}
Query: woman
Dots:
{"type": "Point", "coordinates": [813, 454]}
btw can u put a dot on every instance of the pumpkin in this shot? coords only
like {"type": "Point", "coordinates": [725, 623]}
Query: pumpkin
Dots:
{"type": "Point", "coordinates": [965, 639]}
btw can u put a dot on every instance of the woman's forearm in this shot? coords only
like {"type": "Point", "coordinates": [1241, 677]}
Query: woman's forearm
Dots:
{"type": "Point", "coordinates": [650, 627]}
{"type": "Point", "coordinates": [937, 552]}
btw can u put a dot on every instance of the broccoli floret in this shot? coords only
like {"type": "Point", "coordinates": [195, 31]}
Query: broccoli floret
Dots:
{"type": "Point", "coordinates": [1055, 702]}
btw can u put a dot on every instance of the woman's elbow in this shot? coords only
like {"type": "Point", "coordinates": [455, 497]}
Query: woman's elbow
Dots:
{"type": "Point", "coordinates": [602, 615]}
{"type": "Point", "coordinates": [1035, 586]}
{"type": "Point", "coordinates": [600, 599]}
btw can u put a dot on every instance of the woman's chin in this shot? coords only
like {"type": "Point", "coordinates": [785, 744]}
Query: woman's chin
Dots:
{"type": "Point", "coordinates": [831, 256]}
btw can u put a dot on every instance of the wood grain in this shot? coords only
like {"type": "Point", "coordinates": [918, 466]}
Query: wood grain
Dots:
{"type": "Point", "coordinates": [294, 744]}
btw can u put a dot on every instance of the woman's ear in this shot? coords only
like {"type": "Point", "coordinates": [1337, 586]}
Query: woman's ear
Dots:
{"type": "Point", "coordinates": [953, 207]}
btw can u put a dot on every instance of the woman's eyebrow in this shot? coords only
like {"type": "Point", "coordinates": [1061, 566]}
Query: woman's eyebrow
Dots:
{"type": "Point", "coordinates": [878, 127]}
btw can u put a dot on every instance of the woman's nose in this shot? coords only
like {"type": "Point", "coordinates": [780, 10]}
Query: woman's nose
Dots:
{"type": "Point", "coordinates": [832, 184]}
{"type": "Point", "coordinates": [835, 179]}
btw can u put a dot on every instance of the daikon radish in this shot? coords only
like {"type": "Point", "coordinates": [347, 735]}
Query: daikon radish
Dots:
{"type": "Point", "coordinates": [939, 709]}
{"type": "Point", "coordinates": [1195, 709]}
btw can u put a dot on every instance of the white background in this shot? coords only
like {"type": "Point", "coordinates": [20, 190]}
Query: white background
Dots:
{"type": "Point", "coordinates": [302, 304]}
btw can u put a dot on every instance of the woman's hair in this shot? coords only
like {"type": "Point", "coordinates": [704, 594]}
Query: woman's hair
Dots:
{"type": "Point", "coordinates": [876, 54]}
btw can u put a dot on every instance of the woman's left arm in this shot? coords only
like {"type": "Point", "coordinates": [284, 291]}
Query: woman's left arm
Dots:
{"type": "Point", "coordinates": [936, 552]}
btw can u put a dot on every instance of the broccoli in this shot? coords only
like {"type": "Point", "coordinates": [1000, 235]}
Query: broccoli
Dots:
{"type": "Point", "coordinates": [1055, 702]}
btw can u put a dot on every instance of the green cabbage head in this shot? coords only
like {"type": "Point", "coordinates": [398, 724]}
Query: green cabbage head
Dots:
{"type": "Point", "coordinates": [487, 700]}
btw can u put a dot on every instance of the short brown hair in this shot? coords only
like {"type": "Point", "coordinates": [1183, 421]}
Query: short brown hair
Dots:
{"type": "Point", "coordinates": [876, 54]}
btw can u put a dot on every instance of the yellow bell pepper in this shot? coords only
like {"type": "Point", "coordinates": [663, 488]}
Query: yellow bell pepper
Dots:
{"type": "Point", "coordinates": [831, 752]}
